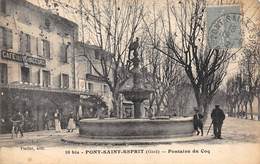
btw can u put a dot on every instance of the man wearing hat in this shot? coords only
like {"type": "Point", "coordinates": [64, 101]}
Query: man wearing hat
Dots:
{"type": "Point", "coordinates": [18, 122]}
{"type": "Point", "coordinates": [197, 121]}
{"type": "Point", "coordinates": [217, 117]}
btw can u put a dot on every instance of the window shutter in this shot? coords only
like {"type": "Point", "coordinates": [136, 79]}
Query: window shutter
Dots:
{"type": "Point", "coordinates": [67, 51]}
{"type": "Point", "coordinates": [22, 42]}
{"type": "Point", "coordinates": [39, 47]}
{"type": "Point", "coordinates": [1, 37]}
{"type": "Point", "coordinates": [28, 43]}
{"type": "Point", "coordinates": [62, 52]}
{"type": "Point", "coordinates": [40, 77]}
{"type": "Point", "coordinates": [33, 45]}
{"type": "Point", "coordinates": [50, 79]}
{"type": "Point", "coordinates": [49, 49]}
{"type": "Point", "coordinates": [9, 37]}
{"type": "Point", "coordinates": [3, 73]}
{"type": "Point", "coordinates": [3, 6]}
{"type": "Point", "coordinates": [46, 49]}
{"type": "Point", "coordinates": [61, 81]}
{"type": "Point", "coordinates": [20, 49]}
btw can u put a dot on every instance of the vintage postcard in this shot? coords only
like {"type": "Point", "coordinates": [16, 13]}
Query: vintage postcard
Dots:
{"type": "Point", "coordinates": [129, 81]}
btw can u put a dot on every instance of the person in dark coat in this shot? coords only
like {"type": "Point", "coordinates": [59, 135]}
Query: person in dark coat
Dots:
{"type": "Point", "coordinates": [46, 120]}
{"type": "Point", "coordinates": [217, 117]}
{"type": "Point", "coordinates": [18, 122]}
{"type": "Point", "coordinates": [197, 122]}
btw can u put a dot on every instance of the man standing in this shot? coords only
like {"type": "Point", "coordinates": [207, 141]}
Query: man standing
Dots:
{"type": "Point", "coordinates": [217, 117]}
{"type": "Point", "coordinates": [197, 121]}
{"type": "Point", "coordinates": [26, 121]}
{"type": "Point", "coordinates": [46, 120]}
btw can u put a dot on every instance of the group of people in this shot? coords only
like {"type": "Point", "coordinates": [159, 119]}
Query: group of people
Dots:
{"type": "Point", "coordinates": [20, 120]}
{"type": "Point", "coordinates": [57, 122]}
{"type": "Point", "coordinates": [217, 116]}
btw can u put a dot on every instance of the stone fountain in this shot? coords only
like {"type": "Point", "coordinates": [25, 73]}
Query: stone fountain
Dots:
{"type": "Point", "coordinates": [137, 129]}
{"type": "Point", "coordinates": [138, 93]}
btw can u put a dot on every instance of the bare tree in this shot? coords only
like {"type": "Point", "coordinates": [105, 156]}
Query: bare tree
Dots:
{"type": "Point", "coordinates": [181, 96]}
{"type": "Point", "coordinates": [114, 24]}
{"type": "Point", "coordinates": [233, 95]}
{"type": "Point", "coordinates": [205, 68]}
{"type": "Point", "coordinates": [249, 68]}
{"type": "Point", "coordinates": [163, 76]}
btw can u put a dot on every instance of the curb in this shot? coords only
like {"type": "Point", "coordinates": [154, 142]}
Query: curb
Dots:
{"type": "Point", "coordinates": [88, 141]}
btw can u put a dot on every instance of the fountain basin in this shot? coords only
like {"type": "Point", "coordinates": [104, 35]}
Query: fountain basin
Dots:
{"type": "Point", "coordinates": [135, 128]}
{"type": "Point", "coordinates": [136, 95]}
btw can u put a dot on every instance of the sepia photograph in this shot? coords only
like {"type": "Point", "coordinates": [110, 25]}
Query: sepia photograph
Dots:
{"type": "Point", "coordinates": [129, 81]}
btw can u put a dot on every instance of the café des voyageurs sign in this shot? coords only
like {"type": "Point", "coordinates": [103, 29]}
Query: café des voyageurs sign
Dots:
{"type": "Point", "coordinates": [22, 58]}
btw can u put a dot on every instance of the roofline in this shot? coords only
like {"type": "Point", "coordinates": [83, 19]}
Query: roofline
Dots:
{"type": "Point", "coordinates": [95, 47]}
{"type": "Point", "coordinates": [45, 11]}
{"type": "Point", "coordinates": [80, 43]}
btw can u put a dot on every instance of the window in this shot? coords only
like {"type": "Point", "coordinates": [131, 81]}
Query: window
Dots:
{"type": "Point", "coordinates": [89, 68]}
{"type": "Point", "coordinates": [47, 23]}
{"type": "Point", "coordinates": [6, 38]}
{"type": "Point", "coordinates": [25, 74]}
{"type": "Point", "coordinates": [64, 53]}
{"type": "Point", "coordinates": [86, 85]}
{"type": "Point", "coordinates": [90, 87]}
{"type": "Point", "coordinates": [97, 55]}
{"type": "Point", "coordinates": [46, 49]}
{"type": "Point", "coordinates": [3, 73]}
{"type": "Point", "coordinates": [46, 79]}
{"type": "Point", "coordinates": [3, 6]}
{"type": "Point", "coordinates": [65, 80]}
{"type": "Point", "coordinates": [28, 43]}
{"type": "Point", "coordinates": [105, 89]}
{"type": "Point", "coordinates": [25, 42]}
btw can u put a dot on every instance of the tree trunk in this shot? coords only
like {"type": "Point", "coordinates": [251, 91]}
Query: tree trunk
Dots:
{"type": "Point", "coordinates": [251, 110]}
{"type": "Point", "coordinates": [258, 100]}
{"type": "Point", "coordinates": [231, 110]}
{"type": "Point", "coordinates": [116, 105]}
{"type": "Point", "coordinates": [238, 109]}
{"type": "Point", "coordinates": [246, 110]}
{"type": "Point", "coordinates": [205, 112]}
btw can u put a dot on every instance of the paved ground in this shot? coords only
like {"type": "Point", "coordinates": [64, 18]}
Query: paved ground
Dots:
{"type": "Point", "coordinates": [234, 131]}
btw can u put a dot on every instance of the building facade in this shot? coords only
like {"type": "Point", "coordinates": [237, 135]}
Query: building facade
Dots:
{"type": "Point", "coordinates": [37, 62]}
{"type": "Point", "coordinates": [36, 46]}
{"type": "Point", "coordinates": [88, 66]}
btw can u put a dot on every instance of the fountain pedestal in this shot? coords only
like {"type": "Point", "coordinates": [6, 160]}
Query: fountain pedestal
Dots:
{"type": "Point", "coordinates": [137, 110]}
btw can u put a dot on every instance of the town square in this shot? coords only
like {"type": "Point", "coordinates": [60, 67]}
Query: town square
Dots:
{"type": "Point", "coordinates": [98, 78]}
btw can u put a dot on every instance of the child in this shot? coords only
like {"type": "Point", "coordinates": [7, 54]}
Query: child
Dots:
{"type": "Point", "coordinates": [197, 122]}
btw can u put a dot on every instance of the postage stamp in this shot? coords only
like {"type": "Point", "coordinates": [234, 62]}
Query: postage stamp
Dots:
{"type": "Point", "coordinates": [224, 27]}
{"type": "Point", "coordinates": [227, 28]}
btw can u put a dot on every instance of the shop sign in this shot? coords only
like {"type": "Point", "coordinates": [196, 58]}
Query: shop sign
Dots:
{"type": "Point", "coordinates": [22, 58]}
